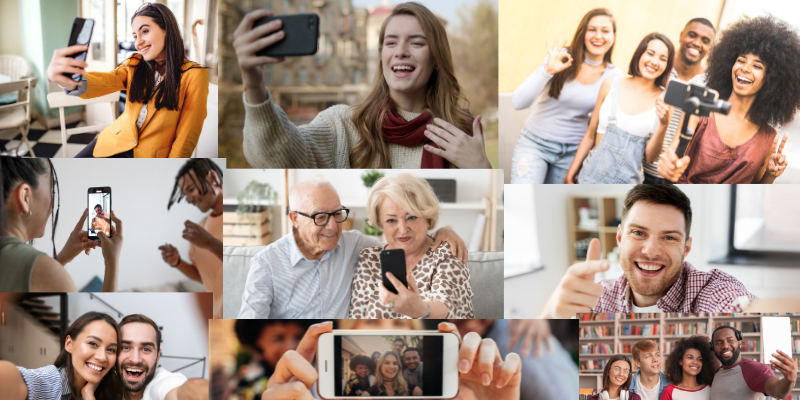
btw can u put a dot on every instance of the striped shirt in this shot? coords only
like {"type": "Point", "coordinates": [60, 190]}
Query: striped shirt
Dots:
{"type": "Point", "coordinates": [283, 284]}
{"type": "Point", "coordinates": [652, 168]}
{"type": "Point", "coordinates": [46, 383]}
{"type": "Point", "coordinates": [694, 291]}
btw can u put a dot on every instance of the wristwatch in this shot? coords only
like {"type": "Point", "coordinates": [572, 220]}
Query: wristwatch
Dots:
{"type": "Point", "coordinates": [427, 314]}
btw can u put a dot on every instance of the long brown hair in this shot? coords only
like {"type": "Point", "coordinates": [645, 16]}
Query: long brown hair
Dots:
{"type": "Point", "coordinates": [442, 98]}
{"type": "Point", "coordinates": [607, 372]}
{"type": "Point", "coordinates": [576, 49]}
{"type": "Point", "coordinates": [110, 388]}
{"type": "Point", "coordinates": [400, 385]}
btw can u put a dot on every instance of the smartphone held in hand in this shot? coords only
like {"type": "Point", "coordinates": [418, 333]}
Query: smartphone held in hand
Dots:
{"type": "Point", "coordinates": [302, 34]}
{"type": "Point", "coordinates": [99, 204]}
{"type": "Point", "coordinates": [403, 356]}
{"type": "Point", "coordinates": [393, 261]}
{"type": "Point", "coordinates": [81, 34]}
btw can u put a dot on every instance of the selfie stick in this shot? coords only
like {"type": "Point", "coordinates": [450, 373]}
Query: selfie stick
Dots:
{"type": "Point", "coordinates": [692, 103]}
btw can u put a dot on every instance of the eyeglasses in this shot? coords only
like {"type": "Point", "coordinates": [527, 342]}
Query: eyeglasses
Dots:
{"type": "Point", "coordinates": [321, 219]}
{"type": "Point", "coordinates": [618, 371]}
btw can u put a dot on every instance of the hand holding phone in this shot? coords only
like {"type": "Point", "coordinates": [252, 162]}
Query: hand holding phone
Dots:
{"type": "Point", "coordinates": [295, 366]}
{"type": "Point", "coordinates": [69, 64]}
{"type": "Point", "coordinates": [393, 261]}
{"type": "Point", "coordinates": [99, 205]}
{"type": "Point", "coordinates": [249, 39]}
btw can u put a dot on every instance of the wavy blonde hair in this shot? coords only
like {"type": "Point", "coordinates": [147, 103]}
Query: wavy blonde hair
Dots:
{"type": "Point", "coordinates": [413, 194]}
{"type": "Point", "coordinates": [400, 385]}
{"type": "Point", "coordinates": [442, 99]}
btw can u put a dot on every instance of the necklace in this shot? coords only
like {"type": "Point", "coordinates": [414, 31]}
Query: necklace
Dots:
{"type": "Point", "coordinates": [590, 62]}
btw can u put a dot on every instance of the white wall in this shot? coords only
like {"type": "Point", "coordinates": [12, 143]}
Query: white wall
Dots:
{"type": "Point", "coordinates": [526, 295]}
{"type": "Point", "coordinates": [184, 333]}
{"type": "Point", "coordinates": [471, 186]}
{"type": "Point", "coordinates": [140, 192]}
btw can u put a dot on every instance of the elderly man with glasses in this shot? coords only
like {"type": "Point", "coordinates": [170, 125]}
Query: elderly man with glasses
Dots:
{"type": "Point", "coordinates": [309, 272]}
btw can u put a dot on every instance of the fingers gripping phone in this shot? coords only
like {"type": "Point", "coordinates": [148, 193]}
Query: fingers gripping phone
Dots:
{"type": "Point", "coordinates": [99, 205]}
{"type": "Point", "coordinates": [302, 34]}
{"type": "Point", "coordinates": [81, 34]}
{"type": "Point", "coordinates": [393, 261]}
{"type": "Point", "coordinates": [346, 368]}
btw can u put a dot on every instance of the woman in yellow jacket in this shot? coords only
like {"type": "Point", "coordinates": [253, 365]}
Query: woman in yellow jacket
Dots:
{"type": "Point", "coordinates": [167, 94]}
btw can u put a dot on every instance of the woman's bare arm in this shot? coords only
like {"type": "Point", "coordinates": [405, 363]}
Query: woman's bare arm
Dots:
{"type": "Point", "coordinates": [49, 275]}
{"type": "Point", "coordinates": [14, 387]}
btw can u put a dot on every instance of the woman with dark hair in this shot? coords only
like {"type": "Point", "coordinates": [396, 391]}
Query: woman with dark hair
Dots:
{"type": "Point", "coordinates": [30, 187]}
{"type": "Point", "coordinates": [564, 93]}
{"type": "Point", "coordinates": [616, 380]}
{"type": "Point", "coordinates": [414, 117]}
{"type": "Point", "coordinates": [167, 93]}
{"type": "Point", "coordinates": [362, 366]}
{"type": "Point", "coordinates": [690, 369]}
{"type": "Point", "coordinates": [629, 119]}
{"type": "Point", "coordinates": [84, 370]}
{"type": "Point", "coordinates": [754, 67]}
{"type": "Point", "coordinates": [389, 379]}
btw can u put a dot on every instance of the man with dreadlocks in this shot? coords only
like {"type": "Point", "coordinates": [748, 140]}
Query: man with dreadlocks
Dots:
{"type": "Point", "coordinates": [200, 182]}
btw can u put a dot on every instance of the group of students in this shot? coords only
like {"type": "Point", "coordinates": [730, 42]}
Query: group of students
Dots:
{"type": "Point", "coordinates": [592, 125]}
{"type": "Point", "coordinates": [400, 367]}
{"type": "Point", "coordinates": [697, 369]}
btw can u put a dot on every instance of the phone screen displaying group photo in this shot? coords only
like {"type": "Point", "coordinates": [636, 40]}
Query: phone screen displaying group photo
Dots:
{"type": "Point", "coordinates": [99, 219]}
{"type": "Point", "coordinates": [369, 363]}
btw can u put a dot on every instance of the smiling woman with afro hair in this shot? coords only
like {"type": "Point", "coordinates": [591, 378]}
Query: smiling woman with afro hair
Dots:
{"type": "Point", "coordinates": [754, 67]}
{"type": "Point", "coordinates": [690, 368]}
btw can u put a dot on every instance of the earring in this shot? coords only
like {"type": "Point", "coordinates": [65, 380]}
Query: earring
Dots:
{"type": "Point", "coordinates": [30, 213]}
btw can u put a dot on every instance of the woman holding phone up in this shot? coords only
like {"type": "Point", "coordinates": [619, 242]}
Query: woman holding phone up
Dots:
{"type": "Point", "coordinates": [413, 117]}
{"type": "Point", "coordinates": [167, 94]}
{"type": "Point", "coordinates": [564, 93]}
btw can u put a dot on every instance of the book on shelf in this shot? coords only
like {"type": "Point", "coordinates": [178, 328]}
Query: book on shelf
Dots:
{"type": "Point", "coordinates": [639, 330]}
{"type": "Point", "coordinates": [686, 315]}
{"type": "Point", "coordinates": [640, 315]}
{"type": "Point", "coordinates": [593, 365]}
{"type": "Point", "coordinates": [796, 346]}
{"type": "Point", "coordinates": [747, 345]}
{"type": "Point", "coordinates": [694, 328]}
{"type": "Point", "coordinates": [796, 326]}
{"type": "Point", "coordinates": [586, 394]}
{"type": "Point", "coordinates": [595, 348]}
{"type": "Point", "coordinates": [594, 331]}
{"type": "Point", "coordinates": [597, 317]}
{"type": "Point", "coordinates": [742, 326]}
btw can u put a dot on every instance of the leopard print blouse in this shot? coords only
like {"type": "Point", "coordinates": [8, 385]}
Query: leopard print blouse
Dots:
{"type": "Point", "coordinates": [439, 275]}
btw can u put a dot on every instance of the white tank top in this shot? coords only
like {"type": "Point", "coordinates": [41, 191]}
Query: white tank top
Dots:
{"type": "Point", "coordinates": [643, 124]}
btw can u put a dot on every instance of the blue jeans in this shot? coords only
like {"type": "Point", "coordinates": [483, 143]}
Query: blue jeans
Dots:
{"type": "Point", "coordinates": [89, 150]}
{"type": "Point", "coordinates": [538, 160]}
{"type": "Point", "coordinates": [617, 159]}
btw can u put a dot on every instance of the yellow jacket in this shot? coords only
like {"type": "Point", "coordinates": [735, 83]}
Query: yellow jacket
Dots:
{"type": "Point", "coordinates": [165, 133]}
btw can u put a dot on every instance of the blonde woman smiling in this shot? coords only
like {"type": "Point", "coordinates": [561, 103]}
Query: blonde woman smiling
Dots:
{"type": "Point", "coordinates": [406, 208]}
{"type": "Point", "coordinates": [412, 118]}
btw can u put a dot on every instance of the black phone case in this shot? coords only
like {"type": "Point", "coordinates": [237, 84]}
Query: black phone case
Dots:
{"type": "Point", "coordinates": [302, 33]}
{"type": "Point", "coordinates": [73, 34]}
{"type": "Point", "coordinates": [89, 206]}
{"type": "Point", "coordinates": [393, 261]}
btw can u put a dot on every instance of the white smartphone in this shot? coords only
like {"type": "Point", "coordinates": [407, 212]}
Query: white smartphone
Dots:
{"type": "Point", "coordinates": [346, 366]}
{"type": "Point", "coordinates": [777, 333]}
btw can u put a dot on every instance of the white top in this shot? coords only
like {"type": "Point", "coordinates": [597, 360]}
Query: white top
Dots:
{"type": "Point", "coordinates": [643, 124]}
{"type": "Point", "coordinates": [162, 383]}
{"type": "Point", "coordinates": [644, 393]}
{"type": "Point", "coordinates": [652, 309]}
{"type": "Point", "coordinates": [673, 392]}
{"type": "Point", "coordinates": [562, 120]}
{"type": "Point", "coordinates": [143, 114]}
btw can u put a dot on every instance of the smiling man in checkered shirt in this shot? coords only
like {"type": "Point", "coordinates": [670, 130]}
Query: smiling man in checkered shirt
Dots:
{"type": "Point", "coordinates": [653, 239]}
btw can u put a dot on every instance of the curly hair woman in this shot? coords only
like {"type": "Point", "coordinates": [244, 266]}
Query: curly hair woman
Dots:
{"type": "Point", "coordinates": [616, 380]}
{"type": "Point", "coordinates": [754, 67]}
{"type": "Point", "coordinates": [167, 93]}
{"type": "Point", "coordinates": [412, 118]}
{"type": "Point", "coordinates": [362, 366]}
{"type": "Point", "coordinates": [690, 369]}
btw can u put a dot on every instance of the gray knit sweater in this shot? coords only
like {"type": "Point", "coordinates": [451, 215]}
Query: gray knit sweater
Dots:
{"type": "Point", "coordinates": [272, 141]}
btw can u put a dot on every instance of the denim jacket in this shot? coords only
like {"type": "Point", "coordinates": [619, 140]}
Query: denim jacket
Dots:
{"type": "Point", "coordinates": [661, 384]}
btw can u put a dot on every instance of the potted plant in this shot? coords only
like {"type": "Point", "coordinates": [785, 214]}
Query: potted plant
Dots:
{"type": "Point", "coordinates": [369, 178]}
{"type": "Point", "coordinates": [255, 198]}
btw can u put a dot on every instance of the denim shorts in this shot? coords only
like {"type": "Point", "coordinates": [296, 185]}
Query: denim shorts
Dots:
{"type": "Point", "coordinates": [538, 160]}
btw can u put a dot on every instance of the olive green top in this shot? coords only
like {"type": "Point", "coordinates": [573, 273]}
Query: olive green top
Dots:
{"type": "Point", "coordinates": [17, 259]}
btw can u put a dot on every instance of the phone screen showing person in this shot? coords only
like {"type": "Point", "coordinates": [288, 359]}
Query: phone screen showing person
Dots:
{"type": "Point", "coordinates": [401, 359]}
{"type": "Point", "coordinates": [99, 218]}
{"type": "Point", "coordinates": [81, 34]}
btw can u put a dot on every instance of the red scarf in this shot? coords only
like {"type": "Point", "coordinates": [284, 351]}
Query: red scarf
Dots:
{"type": "Point", "coordinates": [411, 133]}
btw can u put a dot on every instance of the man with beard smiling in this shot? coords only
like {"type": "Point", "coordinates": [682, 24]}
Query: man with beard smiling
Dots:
{"type": "Point", "coordinates": [413, 370]}
{"type": "Point", "coordinates": [696, 41]}
{"type": "Point", "coordinates": [744, 379]}
{"type": "Point", "coordinates": [137, 365]}
{"type": "Point", "coordinates": [653, 238]}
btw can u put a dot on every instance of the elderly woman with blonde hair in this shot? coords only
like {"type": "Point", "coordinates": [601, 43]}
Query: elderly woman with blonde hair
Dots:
{"type": "Point", "coordinates": [406, 208]}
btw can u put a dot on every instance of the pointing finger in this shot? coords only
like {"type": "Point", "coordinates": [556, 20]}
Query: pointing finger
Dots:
{"type": "Point", "coordinates": [586, 270]}
{"type": "Point", "coordinates": [594, 251]}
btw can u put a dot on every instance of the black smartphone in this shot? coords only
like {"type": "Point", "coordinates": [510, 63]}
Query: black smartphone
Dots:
{"type": "Point", "coordinates": [393, 261]}
{"type": "Point", "coordinates": [302, 34]}
{"type": "Point", "coordinates": [81, 34]}
{"type": "Point", "coordinates": [99, 219]}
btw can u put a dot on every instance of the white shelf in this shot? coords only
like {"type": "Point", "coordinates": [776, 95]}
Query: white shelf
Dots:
{"type": "Point", "coordinates": [352, 203]}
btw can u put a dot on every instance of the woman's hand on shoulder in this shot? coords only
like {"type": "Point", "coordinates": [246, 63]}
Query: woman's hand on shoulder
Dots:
{"type": "Point", "coordinates": [557, 62]}
{"type": "Point", "coordinates": [458, 147]}
{"type": "Point", "coordinates": [247, 41]}
{"type": "Point", "coordinates": [457, 246]}
{"type": "Point", "coordinates": [62, 64]}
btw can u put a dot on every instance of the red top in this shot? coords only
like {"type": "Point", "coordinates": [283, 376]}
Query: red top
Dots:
{"type": "Point", "coordinates": [712, 161]}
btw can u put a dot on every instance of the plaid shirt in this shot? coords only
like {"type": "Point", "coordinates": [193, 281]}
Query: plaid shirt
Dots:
{"type": "Point", "coordinates": [694, 291]}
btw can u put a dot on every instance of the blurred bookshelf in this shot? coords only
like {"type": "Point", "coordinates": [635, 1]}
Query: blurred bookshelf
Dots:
{"type": "Point", "coordinates": [602, 335]}
{"type": "Point", "coordinates": [598, 220]}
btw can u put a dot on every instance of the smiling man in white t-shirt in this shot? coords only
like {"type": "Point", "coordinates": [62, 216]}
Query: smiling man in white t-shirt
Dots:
{"type": "Point", "coordinates": [137, 364]}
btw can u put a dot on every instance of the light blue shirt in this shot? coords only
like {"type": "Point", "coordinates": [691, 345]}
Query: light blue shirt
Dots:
{"type": "Point", "coordinates": [283, 284]}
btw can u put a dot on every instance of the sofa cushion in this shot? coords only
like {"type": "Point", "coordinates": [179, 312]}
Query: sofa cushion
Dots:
{"type": "Point", "coordinates": [486, 278]}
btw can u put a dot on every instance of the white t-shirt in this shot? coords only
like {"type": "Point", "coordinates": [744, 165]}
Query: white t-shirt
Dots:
{"type": "Point", "coordinates": [672, 392]}
{"type": "Point", "coordinates": [642, 124]}
{"type": "Point", "coordinates": [162, 383]}
{"type": "Point", "coordinates": [652, 309]}
{"type": "Point", "coordinates": [644, 393]}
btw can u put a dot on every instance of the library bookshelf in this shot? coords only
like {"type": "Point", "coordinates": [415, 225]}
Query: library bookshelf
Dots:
{"type": "Point", "coordinates": [605, 207]}
{"type": "Point", "coordinates": [603, 335]}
